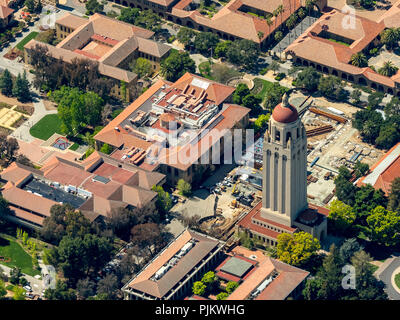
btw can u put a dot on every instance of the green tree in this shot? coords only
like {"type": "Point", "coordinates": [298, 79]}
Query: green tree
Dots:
{"type": "Point", "coordinates": [296, 249]}
{"type": "Point", "coordinates": [164, 201]}
{"type": "Point", "coordinates": [392, 109]}
{"type": "Point", "coordinates": [209, 278]}
{"type": "Point", "coordinates": [199, 288]}
{"type": "Point", "coordinates": [308, 79]}
{"type": "Point", "coordinates": [204, 42]}
{"type": "Point", "coordinates": [359, 59]}
{"type": "Point", "coordinates": [388, 137]}
{"type": "Point", "coordinates": [92, 6]}
{"type": "Point", "coordinates": [342, 215]}
{"type": "Point", "coordinates": [143, 68]}
{"type": "Point", "coordinates": [252, 102]}
{"type": "Point", "coordinates": [348, 248]}
{"type": "Point", "coordinates": [21, 88]}
{"type": "Point", "coordinates": [345, 190]}
{"type": "Point", "coordinates": [19, 293]}
{"type": "Point", "coordinates": [367, 198]}
{"type": "Point", "coordinates": [30, 6]}
{"type": "Point", "coordinates": [360, 169]}
{"type": "Point", "coordinates": [231, 286]}
{"type": "Point", "coordinates": [186, 36]}
{"type": "Point", "coordinates": [274, 66]}
{"type": "Point", "coordinates": [241, 91]}
{"type": "Point", "coordinates": [243, 53]}
{"type": "Point", "coordinates": [6, 83]}
{"type": "Point", "coordinates": [221, 48]}
{"type": "Point", "coordinates": [176, 65]}
{"type": "Point", "coordinates": [106, 148]}
{"type": "Point", "coordinates": [274, 96]}
{"type": "Point", "coordinates": [368, 287]}
{"type": "Point", "coordinates": [185, 189]}
{"type": "Point", "coordinates": [261, 121]}
{"type": "Point", "coordinates": [394, 196]}
{"type": "Point", "coordinates": [390, 37]}
{"type": "Point", "coordinates": [222, 296]}
{"type": "Point", "coordinates": [355, 96]}
{"type": "Point", "coordinates": [79, 257]}
{"type": "Point", "coordinates": [388, 69]}
{"type": "Point", "coordinates": [278, 36]}
{"type": "Point", "coordinates": [3, 290]}
{"type": "Point", "coordinates": [332, 87]}
{"type": "Point", "coordinates": [384, 226]}
{"type": "Point", "coordinates": [60, 292]}
{"type": "Point", "coordinates": [374, 99]}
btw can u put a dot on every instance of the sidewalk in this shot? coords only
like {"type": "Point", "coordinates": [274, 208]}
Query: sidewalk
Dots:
{"type": "Point", "coordinates": [36, 284]}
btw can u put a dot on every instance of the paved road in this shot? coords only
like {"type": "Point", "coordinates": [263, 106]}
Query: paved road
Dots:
{"type": "Point", "coordinates": [36, 284]}
{"type": "Point", "coordinates": [386, 277]}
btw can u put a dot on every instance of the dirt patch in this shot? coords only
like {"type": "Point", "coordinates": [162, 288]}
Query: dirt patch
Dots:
{"type": "Point", "coordinates": [25, 109]}
{"type": "Point", "coordinates": [5, 131]}
{"type": "Point", "coordinates": [13, 101]}
{"type": "Point", "coordinates": [49, 105]}
{"type": "Point", "coordinates": [19, 122]}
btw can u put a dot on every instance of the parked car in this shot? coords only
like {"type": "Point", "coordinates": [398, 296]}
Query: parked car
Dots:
{"type": "Point", "coordinates": [28, 288]}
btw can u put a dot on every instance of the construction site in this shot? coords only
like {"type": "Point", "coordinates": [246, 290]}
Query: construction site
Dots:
{"type": "Point", "coordinates": [332, 143]}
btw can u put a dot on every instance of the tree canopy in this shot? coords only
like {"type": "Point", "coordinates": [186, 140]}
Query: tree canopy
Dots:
{"type": "Point", "coordinates": [296, 249]}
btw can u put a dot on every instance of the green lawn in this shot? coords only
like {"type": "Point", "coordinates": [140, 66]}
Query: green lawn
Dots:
{"type": "Point", "coordinates": [29, 37]}
{"type": "Point", "coordinates": [19, 258]}
{"type": "Point", "coordinates": [397, 280]}
{"type": "Point", "coordinates": [261, 87]}
{"type": "Point", "coordinates": [46, 127]}
{"type": "Point", "coordinates": [74, 147]}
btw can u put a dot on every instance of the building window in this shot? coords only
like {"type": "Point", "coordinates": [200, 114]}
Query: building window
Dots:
{"type": "Point", "coordinates": [277, 135]}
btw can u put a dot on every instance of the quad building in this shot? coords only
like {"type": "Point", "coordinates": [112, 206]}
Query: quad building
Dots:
{"type": "Point", "coordinates": [340, 36]}
{"type": "Point", "coordinates": [237, 19]}
{"type": "Point", "coordinates": [113, 44]}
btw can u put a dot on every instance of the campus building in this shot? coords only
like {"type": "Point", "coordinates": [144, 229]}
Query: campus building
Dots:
{"type": "Point", "coordinates": [6, 14]}
{"type": "Point", "coordinates": [260, 277]}
{"type": "Point", "coordinates": [339, 37]}
{"type": "Point", "coordinates": [170, 275]}
{"type": "Point", "coordinates": [237, 19]}
{"type": "Point", "coordinates": [95, 187]}
{"type": "Point", "coordinates": [284, 207]}
{"type": "Point", "coordinates": [176, 128]}
{"type": "Point", "coordinates": [382, 173]}
{"type": "Point", "coordinates": [113, 44]}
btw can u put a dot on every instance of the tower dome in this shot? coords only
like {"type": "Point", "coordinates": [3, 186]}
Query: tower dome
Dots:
{"type": "Point", "coordinates": [285, 112]}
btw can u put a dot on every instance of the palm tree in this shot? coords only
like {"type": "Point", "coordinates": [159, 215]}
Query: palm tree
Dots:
{"type": "Point", "coordinates": [359, 60]}
{"type": "Point", "coordinates": [275, 13]}
{"type": "Point", "coordinates": [388, 69]}
{"type": "Point", "coordinates": [301, 13]}
{"type": "Point", "coordinates": [390, 37]}
{"type": "Point", "coordinates": [269, 23]}
{"type": "Point", "coordinates": [310, 6]}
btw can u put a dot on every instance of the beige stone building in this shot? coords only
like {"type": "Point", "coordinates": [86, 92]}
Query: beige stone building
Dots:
{"type": "Point", "coordinates": [235, 20]}
{"type": "Point", "coordinates": [284, 206]}
{"type": "Point", "coordinates": [6, 14]}
{"type": "Point", "coordinates": [114, 44]}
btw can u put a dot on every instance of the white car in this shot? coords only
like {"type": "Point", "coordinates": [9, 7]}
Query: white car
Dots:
{"type": "Point", "coordinates": [28, 288]}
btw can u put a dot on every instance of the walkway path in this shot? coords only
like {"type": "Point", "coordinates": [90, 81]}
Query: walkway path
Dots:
{"type": "Point", "coordinates": [36, 284]}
